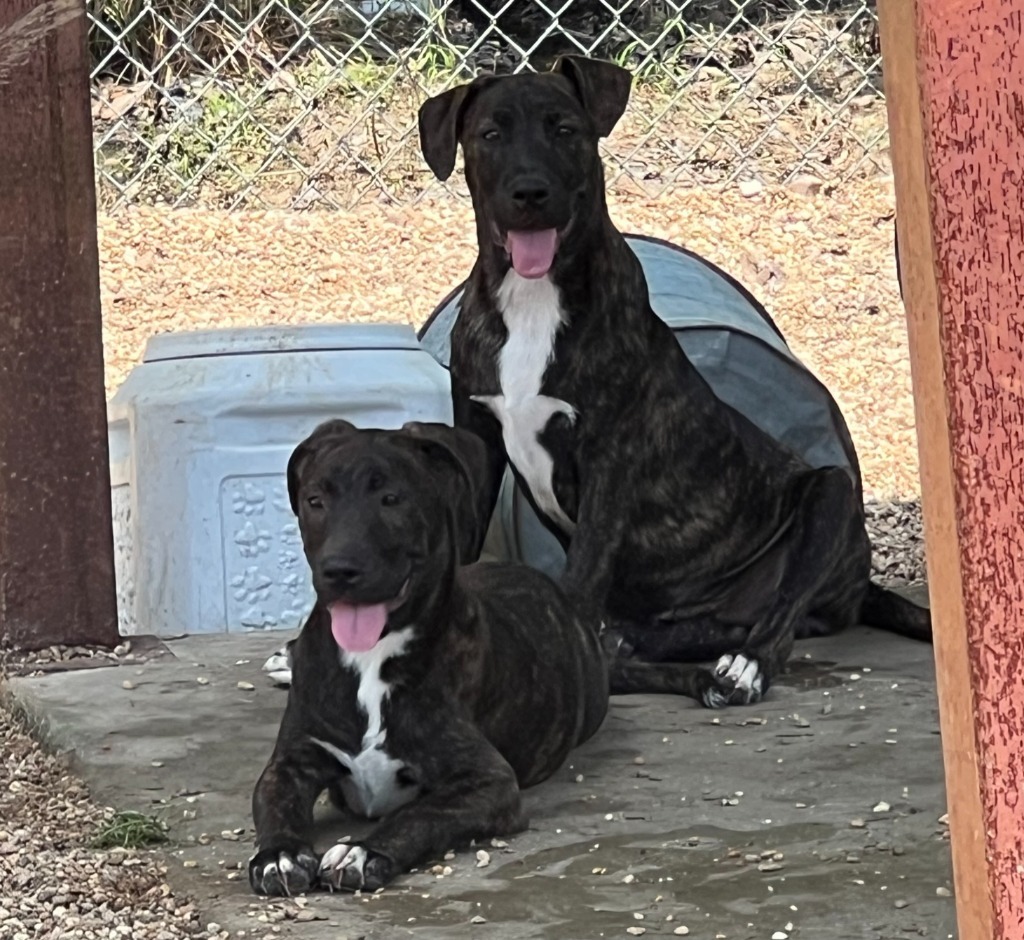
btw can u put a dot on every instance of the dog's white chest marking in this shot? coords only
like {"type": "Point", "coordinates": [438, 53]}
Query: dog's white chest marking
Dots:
{"type": "Point", "coordinates": [532, 312]}
{"type": "Point", "coordinates": [371, 786]}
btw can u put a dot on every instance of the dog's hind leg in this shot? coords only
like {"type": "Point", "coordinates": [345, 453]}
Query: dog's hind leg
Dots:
{"type": "Point", "coordinates": [470, 792]}
{"type": "Point", "coordinates": [827, 554]}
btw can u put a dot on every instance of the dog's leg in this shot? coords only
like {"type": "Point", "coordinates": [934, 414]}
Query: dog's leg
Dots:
{"type": "Point", "coordinates": [820, 546]}
{"type": "Point", "coordinates": [476, 418]}
{"type": "Point", "coordinates": [587, 577]}
{"type": "Point", "coordinates": [475, 796]}
{"type": "Point", "coordinates": [282, 807]}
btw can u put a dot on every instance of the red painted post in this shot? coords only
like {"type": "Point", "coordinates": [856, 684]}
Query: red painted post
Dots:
{"type": "Point", "coordinates": [954, 76]}
{"type": "Point", "coordinates": [56, 546]}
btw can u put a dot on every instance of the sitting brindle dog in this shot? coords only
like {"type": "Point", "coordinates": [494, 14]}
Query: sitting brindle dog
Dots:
{"type": "Point", "coordinates": [695, 534]}
{"type": "Point", "coordinates": [426, 694]}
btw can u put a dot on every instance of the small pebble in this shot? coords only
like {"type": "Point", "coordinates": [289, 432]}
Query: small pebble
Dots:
{"type": "Point", "coordinates": [780, 935]}
{"type": "Point", "coordinates": [882, 807]}
{"type": "Point", "coordinates": [483, 859]}
{"type": "Point", "coordinates": [246, 686]}
{"type": "Point", "coordinates": [477, 919]}
{"type": "Point", "coordinates": [128, 684]}
{"type": "Point", "coordinates": [943, 892]}
{"type": "Point", "coordinates": [636, 931]}
{"type": "Point", "coordinates": [639, 760]}
{"type": "Point", "coordinates": [629, 879]}
{"type": "Point", "coordinates": [202, 680]}
{"type": "Point", "coordinates": [857, 823]}
{"type": "Point", "coordinates": [899, 905]}
{"type": "Point", "coordinates": [681, 931]}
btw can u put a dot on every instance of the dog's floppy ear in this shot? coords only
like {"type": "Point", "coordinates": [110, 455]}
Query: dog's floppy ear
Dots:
{"type": "Point", "coordinates": [328, 431]}
{"type": "Point", "coordinates": [466, 454]}
{"type": "Point", "coordinates": [440, 125]}
{"type": "Point", "coordinates": [602, 87]}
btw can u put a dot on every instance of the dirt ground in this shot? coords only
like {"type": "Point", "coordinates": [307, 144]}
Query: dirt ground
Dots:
{"type": "Point", "coordinates": [822, 264]}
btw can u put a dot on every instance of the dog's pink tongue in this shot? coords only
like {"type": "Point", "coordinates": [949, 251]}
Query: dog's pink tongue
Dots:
{"type": "Point", "coordinates": [532, 253]}
{"type": "Point", "coordinates": [357, 629]}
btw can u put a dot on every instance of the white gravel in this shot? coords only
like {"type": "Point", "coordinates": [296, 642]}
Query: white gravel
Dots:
{"type": "Point", "coordinates": [52, 885]}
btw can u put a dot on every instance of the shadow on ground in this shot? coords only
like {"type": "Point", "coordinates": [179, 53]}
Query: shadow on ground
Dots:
{"type": "Point", "coordinates": [814, 814]}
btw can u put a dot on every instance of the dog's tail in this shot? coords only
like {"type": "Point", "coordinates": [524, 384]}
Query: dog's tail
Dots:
{"type": "Point", "coordinates": [890, 611]}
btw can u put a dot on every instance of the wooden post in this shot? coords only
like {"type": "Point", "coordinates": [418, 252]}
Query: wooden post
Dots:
{"type": "Point", "coordinates": [954, 80]}
{"type": "Point", "coordinates": [56, 546]}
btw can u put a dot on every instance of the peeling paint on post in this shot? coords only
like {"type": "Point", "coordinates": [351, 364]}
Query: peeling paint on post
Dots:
{"type": "Point", "coordinates": [56, 546]}
{"type": "Point", "coordinates": [954, 73]}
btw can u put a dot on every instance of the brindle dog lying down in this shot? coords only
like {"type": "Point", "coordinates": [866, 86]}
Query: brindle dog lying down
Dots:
{"type": "Point", "coordinates": [426, 695]}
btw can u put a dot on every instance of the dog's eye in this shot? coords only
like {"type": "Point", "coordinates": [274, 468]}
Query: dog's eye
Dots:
{"type": "Point", "coordinates": [390, 499]}
{"type": "Point", "coordinates": [315, 502]}
{"type": "Point", "coordinates": [490, 134]}
{"type": "Point", "coordinates": [566, 130]}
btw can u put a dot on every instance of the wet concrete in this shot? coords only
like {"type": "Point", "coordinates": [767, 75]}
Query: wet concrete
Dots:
{"type": "Point", "coordinates": [834, 784]}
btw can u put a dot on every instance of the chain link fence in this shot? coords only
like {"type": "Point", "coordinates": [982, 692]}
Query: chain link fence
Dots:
{"type": "Point", "coordinates": [312, 103]}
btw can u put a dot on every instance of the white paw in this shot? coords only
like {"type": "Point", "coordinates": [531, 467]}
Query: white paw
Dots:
{"type": "Point", "coordinates": [279, 667]}
{"type": "Point", "coordinates": [342, 867]}
{"type": "Point", "coordinates": [282, 874]}
{"type": "Point", "coordinates": [739, 678]}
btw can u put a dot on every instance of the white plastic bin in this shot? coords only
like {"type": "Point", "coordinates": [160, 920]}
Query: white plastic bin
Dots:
{"type": "Point", "coordinates": [200, 435]}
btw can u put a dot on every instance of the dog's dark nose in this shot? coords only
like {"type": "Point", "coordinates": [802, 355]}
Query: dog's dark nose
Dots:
{"type": "Point", "coordinates": [342, 572]}
{"type": "Point", "coordinates": [530, 192]}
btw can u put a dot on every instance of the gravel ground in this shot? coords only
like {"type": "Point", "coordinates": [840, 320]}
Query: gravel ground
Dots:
{"type": "Point", "coordinates": [51, 885]}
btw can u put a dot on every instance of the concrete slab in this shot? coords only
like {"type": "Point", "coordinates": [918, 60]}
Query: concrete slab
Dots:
{"type": "Point", "coordinates": [834, 784]}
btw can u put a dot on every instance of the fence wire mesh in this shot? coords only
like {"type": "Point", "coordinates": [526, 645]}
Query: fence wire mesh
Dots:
{"type": "Point", "coordinates": [312, 103]}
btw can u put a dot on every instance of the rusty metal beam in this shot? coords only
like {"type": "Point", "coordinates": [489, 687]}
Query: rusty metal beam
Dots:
{"type": "Point", "coordinates": [56, 545]}
{"type": "Point", "coordinates": [955, 95]}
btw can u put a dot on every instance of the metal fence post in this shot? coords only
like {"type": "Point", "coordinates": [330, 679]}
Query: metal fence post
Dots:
{"type": "Point", "coordinates": [56, 545]}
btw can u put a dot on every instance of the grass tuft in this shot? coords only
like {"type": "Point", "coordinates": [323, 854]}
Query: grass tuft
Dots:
{"type": "Point", "coordinates": [130, 830]}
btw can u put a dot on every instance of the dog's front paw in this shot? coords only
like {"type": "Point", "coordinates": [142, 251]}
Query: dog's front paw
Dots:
{"type": "Point", "coordinates": [279, 666]}
{"type": "Point", "coordinates": [354, 868]}
{"type": "Point", "coordinates": [735, 679]}
{"type": "Point", "coordinates": [283, 871]}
